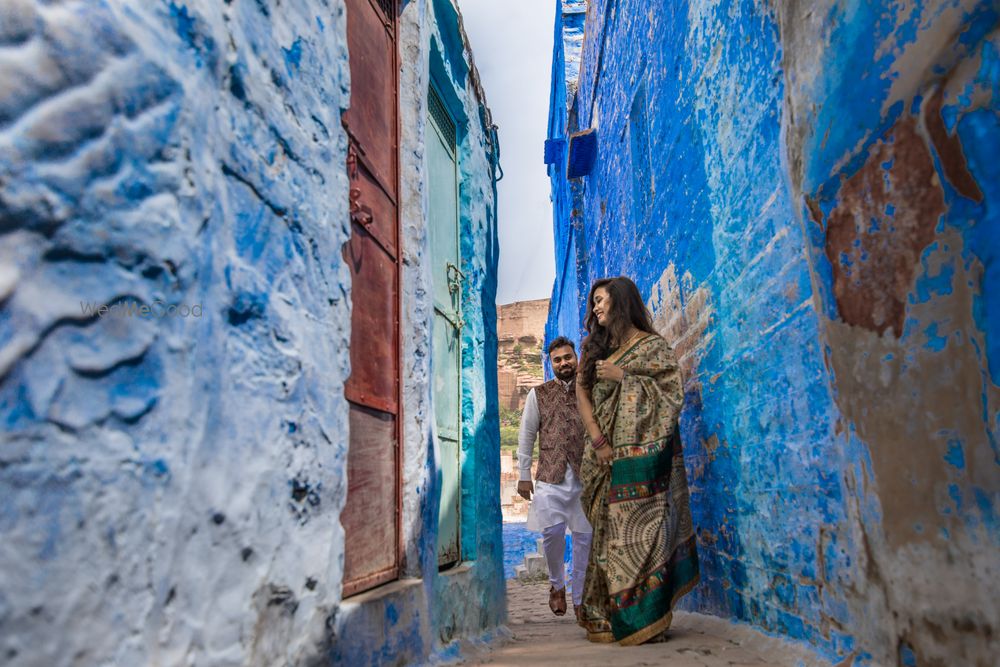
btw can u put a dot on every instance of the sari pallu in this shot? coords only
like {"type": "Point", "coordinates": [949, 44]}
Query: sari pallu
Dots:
{"type": "Point", "coordinates": [643, 556]}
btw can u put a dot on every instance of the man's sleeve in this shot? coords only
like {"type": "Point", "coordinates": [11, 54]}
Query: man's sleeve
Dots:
{"type": "Point", "coordinates": [526, 436]}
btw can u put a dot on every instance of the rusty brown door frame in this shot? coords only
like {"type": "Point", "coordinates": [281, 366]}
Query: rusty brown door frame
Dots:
{"type": "Point", "coordinates": [388, 12]}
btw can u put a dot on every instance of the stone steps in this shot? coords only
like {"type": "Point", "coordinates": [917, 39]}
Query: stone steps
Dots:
{"type": "Point", "coordinates": [534, 567]}
{"type": "Point", "coordinates": [535, 564]}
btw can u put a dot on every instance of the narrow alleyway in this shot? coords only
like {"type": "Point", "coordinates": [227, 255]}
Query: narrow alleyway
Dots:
{"type": "Point", "coordinates": [697, 641]}
{"type": "Point", "coordinates": [277, 278]}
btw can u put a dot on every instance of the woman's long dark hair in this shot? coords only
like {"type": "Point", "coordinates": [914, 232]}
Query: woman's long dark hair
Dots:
{"type": "Point", "coordinates": [626, 309]}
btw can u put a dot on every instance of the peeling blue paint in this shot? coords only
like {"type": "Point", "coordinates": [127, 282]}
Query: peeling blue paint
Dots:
{"type": "Point", "coordinates": [986, 503]}
{"type": "Point", "coordinates": [956, 495]}
{"type": "Point", "coordinates": [930, 285]}
{"type": "Point", "coordinates": [183, 23]}
{"type": "Point", "coordinates": [955, 456]}
{"type": "Point", "coordinates": [906, 656]}
{"type": "Point", "coordinates": [935, 343]}
{"type": "Point", "coordinates": [293, 56]}
{"type": "Point", "coordinates": [691, 190]}
{"type": "Point", "coordinates": [978, 130]}
{"type": "Point", "coordinates": [197, 40]}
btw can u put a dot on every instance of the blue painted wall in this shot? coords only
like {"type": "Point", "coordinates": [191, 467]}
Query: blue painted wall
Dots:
{"type": "Point", "coordinates": [170, 485]}
{"type": "Point", "coordinates": [171, 481]}
{"type": "Point", "coordinates": [429, 615]}
{"type": "Point", "coordinates": [817, 240]}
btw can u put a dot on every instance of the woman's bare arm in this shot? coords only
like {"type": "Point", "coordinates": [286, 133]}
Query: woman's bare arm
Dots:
{"type": "Point", "coordinates": [586, 410]}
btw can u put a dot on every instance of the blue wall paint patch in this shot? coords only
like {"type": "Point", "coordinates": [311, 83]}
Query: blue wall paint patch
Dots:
{"type": "Point", "coordinates": [986, 503]}
{"type": "Point", "coordinates": [906, 656]}
{"type": "Point", "coordinates": [293, 56]}
{"type": "Point", "coordinates": [978, 131]}
{"type": "Point", "coordinates": [956, 495]}
{"type": "Point", "coordinates": [194, 37]}
{"type": "Point", "coordinates": [935, 342]}
{"type": "Point", "coordinates": [955, 456]}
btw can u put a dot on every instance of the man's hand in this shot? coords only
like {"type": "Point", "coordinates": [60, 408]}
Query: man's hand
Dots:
{"type": "Point", "coordinates": [525, 489]}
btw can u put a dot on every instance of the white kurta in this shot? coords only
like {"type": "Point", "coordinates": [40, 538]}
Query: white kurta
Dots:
{"type": "Point", "coordinates": [551, 504]}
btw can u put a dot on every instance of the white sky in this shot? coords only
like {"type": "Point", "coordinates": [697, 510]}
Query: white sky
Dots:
{"type": "Point", "coordinates": [512, 46]}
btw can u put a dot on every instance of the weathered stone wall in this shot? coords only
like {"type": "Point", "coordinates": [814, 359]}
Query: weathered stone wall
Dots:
{"type": "Point", "coordinates": [171, 485]}
{"type": "Point", "coordinates": [801, 190]}
{"type": "Point", "coordinates": [901, 208]}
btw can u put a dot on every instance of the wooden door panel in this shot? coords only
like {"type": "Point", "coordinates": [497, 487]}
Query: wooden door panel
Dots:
{"type": "Point", "coordinates": [371, 207]}
{"type": "Point", "coordinates": [369, 517]}
{"type": "Point", "coordinates": [373, 323]}
{"type": "Point", "coordinates": [371, 118]}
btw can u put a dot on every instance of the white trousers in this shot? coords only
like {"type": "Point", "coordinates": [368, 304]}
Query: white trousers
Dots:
{"type": "Point", "coordinates": [554, 543]}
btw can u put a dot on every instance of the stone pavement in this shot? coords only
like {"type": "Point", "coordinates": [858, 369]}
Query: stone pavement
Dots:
{"type": "Point", "coordinates": [696, 640]}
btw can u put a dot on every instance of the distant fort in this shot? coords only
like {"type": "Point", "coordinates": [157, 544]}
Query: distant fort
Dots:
{"type": "Point", "coordinates": [521, 333]}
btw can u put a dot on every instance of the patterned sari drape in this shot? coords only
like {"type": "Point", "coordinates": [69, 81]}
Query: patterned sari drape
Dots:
{"type": "Point", "coordinates": [643, 556]}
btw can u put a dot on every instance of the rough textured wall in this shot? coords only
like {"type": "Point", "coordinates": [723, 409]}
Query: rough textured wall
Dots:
{"type": "Point", "coordinates": [566, 199]}
{"type": "Point", "coordinates": [813, 225]}
{"type": "Point", "coordinates": [895, 181]}
{"type": "Point", "coordinates": [171, 484]}
{"type": "Point", "coordinates": [468, 604]}
{"type": "Point", "coordinates": [428, 615]}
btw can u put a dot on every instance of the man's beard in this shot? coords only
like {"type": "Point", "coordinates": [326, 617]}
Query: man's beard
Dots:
{"type": "Point", "coordinates": [565, 375]}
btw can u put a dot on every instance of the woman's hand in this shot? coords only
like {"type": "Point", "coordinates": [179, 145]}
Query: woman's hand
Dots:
{"type": "Point", "coordinates": [608, 371]}
{"type": "Point", "coordinates": [604, 455]}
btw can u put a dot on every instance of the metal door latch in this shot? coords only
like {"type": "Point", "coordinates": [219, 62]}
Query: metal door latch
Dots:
{"type": "Point", "coordinates": [360, 213]}
{"type": "Point", "coordinates": [455, 278]}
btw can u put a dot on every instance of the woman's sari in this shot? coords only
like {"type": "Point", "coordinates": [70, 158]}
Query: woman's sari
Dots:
{"type": "Point", "coordinates": [643, 556]}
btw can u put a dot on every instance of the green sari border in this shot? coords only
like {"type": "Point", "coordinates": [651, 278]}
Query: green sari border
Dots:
{"type": "Point", "coordinates": [639, 618]}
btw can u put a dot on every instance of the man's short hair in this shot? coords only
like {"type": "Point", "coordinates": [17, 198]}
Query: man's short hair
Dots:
{"type": "Point", "coordinates": [561, 341]}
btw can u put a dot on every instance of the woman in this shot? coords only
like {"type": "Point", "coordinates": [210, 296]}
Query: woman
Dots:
{"type": "Point", "coordinates": [642, 556]}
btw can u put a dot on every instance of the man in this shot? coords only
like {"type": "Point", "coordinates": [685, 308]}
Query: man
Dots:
{"type": "Point", "coordinates": [550, 413]}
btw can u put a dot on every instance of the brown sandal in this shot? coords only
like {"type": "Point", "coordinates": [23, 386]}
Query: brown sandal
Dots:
{"type": "Point", "coordinates": [557, 601]}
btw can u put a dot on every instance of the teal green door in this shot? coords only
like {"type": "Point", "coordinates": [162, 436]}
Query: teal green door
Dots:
{"type": "Point", "coordinates": [446, 358]}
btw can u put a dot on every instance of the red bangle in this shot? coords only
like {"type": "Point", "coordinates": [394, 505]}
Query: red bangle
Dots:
{"type": "Point", "coordinates": [600, 443]}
